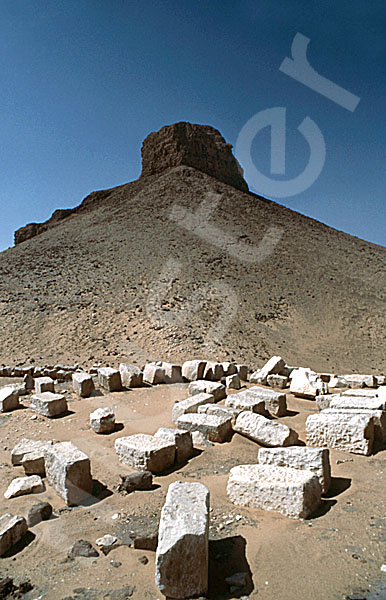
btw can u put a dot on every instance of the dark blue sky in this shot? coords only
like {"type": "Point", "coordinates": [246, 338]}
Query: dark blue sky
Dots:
{"type": "Point", "coordinates": [84, 81]}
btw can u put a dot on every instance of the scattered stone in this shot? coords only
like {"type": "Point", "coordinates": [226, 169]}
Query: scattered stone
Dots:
{"type": "Point", "coordinates": [131, 376]}
{"type": "Point", "coordinates": [215, 428]}
{"type": "Point", "coordinates": [9, 399]}
{"type": "Point", "coordinates": [107, 543]}
{"type": "Point", "coordinates": [190, 405]}
{"type": "Point", "coordinates": [217, 390]}
{"type": "Point", "coordinates": [183, 546]}
{"type": "Point", "coordinates": [33, 462]}
{"type": "Point", "coordinates": [44, 384]}
{"type": "Point", "coordinates": [68, 471]}
{"type": "Point", "coordinates": [26, 447]}
{"type": "Point", "coordinates": [347, 432]}
{"type": "Point", "coordinates": [48, 404]}
{"type": "Point", "coordinates": [41, 511]}
{"type": "Point", "coordinates": [102, 420]}
{"type": "Point", "coordinates": [182, 440]}
{"type": "Point", "coordinates": [83, 384]}
{"type": "Point", "coordinates": [25, 485]}
{"type": "Point", "coordinates": [233, 382]}
{"type": "Point", "coordinates": [293, 493]}
{"type": "Point", "coordinates": [260, 429]}
{"type": "Point", "coordinates": [145, 452]}
{"type": "Point", "coordinates": [109, 379]}
{"type": "Point", "coordinates": [273, 366]}
{"type": "Point", "coordinates": [278, 381]}
{"type": "Point", "coordinates": [275, 402]}
{"type": "Point", "coordinates": [153, 374]}
{"type": "Point", "coordinates": [316, 460]}
{"type": "Point", "coordinates": [136, 481]}
{"type": "Point", "coordinates": [193, 370]}
{"type": "Point", "coordinates": [83, 548]}
{"type": "Point", "coordinates": [12, 530]}
{"type": "Point", "coordinates": [200, 441]}
{"type": "Point", "coordinates": [229, 368]}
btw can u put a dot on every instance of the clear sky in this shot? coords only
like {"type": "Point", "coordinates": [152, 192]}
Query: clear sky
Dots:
{"type": "Point", "coordinates": [84, 81]}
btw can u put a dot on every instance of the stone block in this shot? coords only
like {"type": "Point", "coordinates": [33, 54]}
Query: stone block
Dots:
{"type": "Point", "coordinates": [213, 371]}
{"type": "Point", "coordinates": [182, 440]}
{"type": "Point", "coordinates": [41, 511]}
{"type": "Point", "coordinates": [323, 401]}
{"type": "Point", "coordinates": [347, 402]}
{"type": "Point", "coordinates": [378, 416]}
{"type": "Point", "coordinates": [190, 405]}
{"type": "Point", "coordinates": [382, 392]}
{"type": "Point", "coordinates": [33, 462]}
{"type": "Point", "coordinates": [26, 447]}
{"type": "Point", "coordinates": [316, 460]}
{"type": "Point", "coordinates": [142, 480]}
{"type": "Point", "coordinates": [233, 382]}
{"type": "Point", "coordinates": [44, 384]}
{"type": "Point", "coordinates": [356, 380]}
{"type": "Point", "coordinates": [102, 420]}
{"type": "Point", "coordinates": [260, 429]}
{"type": "Point", "coordinates": [277, 381]}
{"type": "Point", "coordinates": [207, 387]}
{"type": "Point", "coordinates": [291, 492]}
{"type": "Point", "coordinates": [220, 411]}
{"type": "Point", "coordinates": [307, 384]}
{"type": "Point", "coordinates": [229, 368]}
{"type": "Point", "coordinates": [25, 485]}
{"type": "Point", "coordinates": [343, 431]}
{"type": "Point", "coordinates": [183, 541]}
{"type": "Point", "coordinates": [361, 392]}
{"type": "Point", "coordinates": [131, 376]}
{"type": "Point", "coordinates": [214, 428]}
{"type": "Point", "coordinates": [12, 530]}
{"type": "Point", "coordinates": [9, 399]}
{"type": "Point", "coordinates": [193, 369]}
{"type": "Point", "coordinates": [246, 400]}
{"type": "Point", "coordinates": [83, 384]}
{"type": "Point", "coordinates": [242, 370]}
{"type": "Point", "coordinates": [271, 367]}
{"type": "Point", "coordinates": [109, 379]}
{"type": "Point", "coordinates": [48, 404]}
{"type": "Point", "coordinates": [68, 472]}
{"type": "Point", "coordinates": [145, 452]}
{"type": "Point", "coordinates": [172, 373]}
{"type": "Point", "coordinates": [275, 402]}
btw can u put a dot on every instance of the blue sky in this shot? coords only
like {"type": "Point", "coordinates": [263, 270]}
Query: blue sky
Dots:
{"type": "Point", "coordinates": [83, 82]}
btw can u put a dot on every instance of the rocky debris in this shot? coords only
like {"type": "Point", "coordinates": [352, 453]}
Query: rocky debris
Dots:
{"type": "Point", "coordinates": [316, 460]}
{"type": "Point", "coordinates": [277, 381]}
{"type": "Point", "coordinates": [83, 548]}
{"type": "Point", "coordinates": [378, 416]}
{"type": "Point", "coordinates": [292, 492]}
{"type": "Point", "coordinates": [307, 384]}
{"type": "Point", "coordinates": [41, 511]}
{"type": "Point", "coordinates": [109, 379]}
{"type": "Point", "coordinates": [199, 146]}
{"type": "Point", "coordinates": [68, 472]}
{"type": "Point", "coordinates": [83, 384]}
{"type": "Point", "coordinates": [48, 404]}
{"type": "Point", "coordinates": [142, 480]}
{"type": "Point", "coordinates": [190, 405]}
{"type": "Point", "coordinates": [9, 399]}
{"type": "Point", "coordinates": [260, 429]}
{"type": "Point", "coordinates": [193, 370]}
{"type": "Point", "coordinates": [247, 400]}
{"type": "Point", "coordinates": [220, 411]}
{"type": "Point", "coordinates": [25, 485]}
{"type": "Point", "coordinates": [233, 382]}
{"type": "Point", "coordinates": [26, 447]}
{"type": "Point", "coordinates": [102, 420]}
{"type": "Point", "coordinates": [172, 373]}
{"type": "Point", "coordinates": [153, 374]}
{"type": "Point", "coordinates": [107, 543]}
{"type": "Point", "coordinates": [360, 381]}
{"type": "Point", "coordinates": [323, 401]}
{"type": "Point", "coordinates": [12, 530]}
{"type": "Point", "coordinates": [183, 542]}
{"type": "Point", "coordinates": [347, 432]}
{"type": "Point", "coordinates": [214, 428]}
{"type": "Point", "coordinates": [44, 384]}
{"type": "Point", "coordinates": [181, 439]}
{"type": "Point", "coordinates": [272, 367]}
{"type": "Point", "coordinates": [145, 452]}
{"type": "Point", "coordinates": [131, 376]}
{"type": "Point", "coordinates": [201, 386]}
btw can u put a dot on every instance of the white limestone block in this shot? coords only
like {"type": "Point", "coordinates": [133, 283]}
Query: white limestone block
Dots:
{"type": "Point", "coordinates": [146, 452]}
{"type": "Point", "coordinates": [229, 368]}
{"type": "Point", "coordinates": [207, 387]}
{"type": "Point", "coordinates": [355, 380]}
{"type": "Point", "coordinates": [246, 400]}
{"type": "Point", "coordinates": [172, 373]}
{"type": "Point", "coordinates": [343, 431]}
{"type": "Point", "coordinates": [262, 430]}
{"type": "Point", "coordinates": [153, 374]}
{"type": "Point", "coordinates": [109, 379]}
{"type": "Point", "coordinates": [183, 548]}
{"type": "Point", "coordinates": [213, 371]}
{"type": "Point", "coordinates": [382, 392]}
{"type": "Point", "coordinates": [233, 382]}
{"type": "Point", "coordinates": [214, 428]}
{"type": "Point", "coordinates": [361, 393]}
{"type": "Point", "coordinates": [25, 485]}
{"type": "Point", "coordinates": [9, 399]}
{"type": "Point", "coordinates": [181, 439]}
{"type": "Point", "coordinates": [278, 381]}
{"type": "Point", "coordinates": [193, 369]}
{"type": "Point", "coordinates": [44, 384]}
{"type": "Point", "coordinates": [316, 460]}
{"type": "Point", "coordinates": [292, 492]}
{"type": "Point", "coordinates": [68, 472]}
{"type": "Point", "coordinates": [131, 376]}
{"type": "Point", "coordinates": [271, 367]}
{"type": "Point", "coordinates": [347, 402]}
{"type": "Point", "coordinates": [378, 416]}
{"type": "Point", "coordinates": [323, 401]}
{"type": "Point", "coordinates": [275, 402]}
{"type": "Point", "coordinates": [12, 530]}
{"type": "Point", "coordinates": [102, 420]}
{"type": "Point", "coordinates": [190, 405]}
{"type": "Point", "coordinates": [48, 404]}
{"type": "Point", "coordinates": [82, 384]}
{"type": "Point", "coordinates": [242, 370]}
{"type": "Point", "coordinates": [307, 384]}
{"type": "Point", "coordinates": [220, 411]}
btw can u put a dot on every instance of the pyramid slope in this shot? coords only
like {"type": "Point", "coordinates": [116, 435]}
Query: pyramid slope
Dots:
{"type": "Point", "coordinates": [121, 279]}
